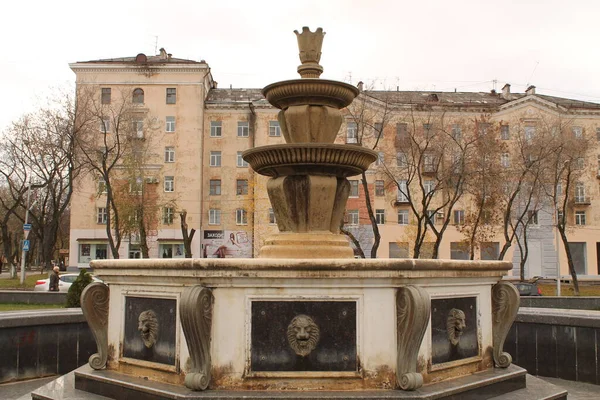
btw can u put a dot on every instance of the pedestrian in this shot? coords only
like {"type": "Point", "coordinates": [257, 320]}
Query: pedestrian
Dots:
{"type": "Point", "coordinates": [54, 280]}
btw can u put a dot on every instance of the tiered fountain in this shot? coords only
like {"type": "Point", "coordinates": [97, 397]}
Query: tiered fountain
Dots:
{"type": "Point", "coordinates": [306, 320]}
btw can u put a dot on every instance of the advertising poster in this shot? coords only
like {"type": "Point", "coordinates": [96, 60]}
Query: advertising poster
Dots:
{"type": "Point", "coordinates": [226, 244]}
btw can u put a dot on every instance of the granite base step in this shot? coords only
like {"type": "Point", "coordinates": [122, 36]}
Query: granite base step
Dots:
{"type": "Point", "coordinates": [498, 384]}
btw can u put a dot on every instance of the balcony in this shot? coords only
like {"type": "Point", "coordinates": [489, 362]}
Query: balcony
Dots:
{"type": "Point", "coordinates": [401, 201]}
{"type": "Point", "coordinates": [581, 201]}
{"type": "Point", "coordinates": [428, 169]}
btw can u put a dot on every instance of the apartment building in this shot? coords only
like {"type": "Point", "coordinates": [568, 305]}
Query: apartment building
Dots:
{"type": "Point", "coordinates": [199, 167]}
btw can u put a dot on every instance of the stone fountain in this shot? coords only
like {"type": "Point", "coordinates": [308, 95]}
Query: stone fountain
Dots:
{"type": "Point", "coordinates": [306, 320]}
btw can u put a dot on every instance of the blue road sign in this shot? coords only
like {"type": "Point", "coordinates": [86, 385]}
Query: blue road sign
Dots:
{"type": "Point", "coordinates": [26, 227]}
{"type": "Point", "coordinates": [25, 245]}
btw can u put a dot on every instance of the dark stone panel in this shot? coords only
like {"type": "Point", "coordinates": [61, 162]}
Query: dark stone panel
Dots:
{"type": "Point", "coordinates": [546, 350]}
{"type": "Point", "coordinates": [566, 353]}
{"type": "Point", "coordinates": [163, 315]}
{"type": "Point", "coordinates": [279, 325]}
{"type": "Point", "coordinates": [10, 354]}
{"type": "Point", "coordinates": [48, 349]}
{"type": "Point", "coordinates": [67, 351]}
{"type": "Point", "coordinates": [510, 344]}
{"type": "Point", "coordinates": [586, 354]}
{"type": "Point", "coordinates": [468, 346]}
{"type": "Point", "coordinates": [87, 344]}
{"type": "Point", "coordinates": [26, 342]}
{"type": "Point", "coordinates": [526, 347]}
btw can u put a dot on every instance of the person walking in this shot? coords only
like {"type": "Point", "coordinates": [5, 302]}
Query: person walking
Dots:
{"type": "Point", "coordinates": [54, 280]}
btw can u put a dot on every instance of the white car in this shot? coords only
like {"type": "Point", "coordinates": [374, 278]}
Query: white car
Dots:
{"type": "Point", "coordinates": [64, 283]}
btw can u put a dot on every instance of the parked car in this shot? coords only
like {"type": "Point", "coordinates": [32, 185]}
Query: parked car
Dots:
{"type": "Point", "coordinates": [528, 289]}
{"type": "Point", "coordinates": [64, 283]}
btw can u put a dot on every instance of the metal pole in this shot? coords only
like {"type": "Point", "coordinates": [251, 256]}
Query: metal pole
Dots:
{"type": "Point", "coordinates": [24, 253]}
{"type": "Point", "coordinates": [557, 250]}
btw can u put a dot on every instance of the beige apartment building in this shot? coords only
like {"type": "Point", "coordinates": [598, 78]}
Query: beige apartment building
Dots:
{"type": "Point", "coordinates": [203, 130]}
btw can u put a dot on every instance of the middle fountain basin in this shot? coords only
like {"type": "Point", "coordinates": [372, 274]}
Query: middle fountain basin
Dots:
{"type": "Point", "coordinates": [352, 303]}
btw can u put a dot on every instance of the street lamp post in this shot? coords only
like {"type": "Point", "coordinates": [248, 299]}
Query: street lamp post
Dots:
{"type": "Point", "coordinates": [557, 249]}
{"type": "Point", "coordinates": [25, 235]}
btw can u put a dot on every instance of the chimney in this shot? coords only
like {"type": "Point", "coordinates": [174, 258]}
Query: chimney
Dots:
{"type": "Point", "coordinates": [530, 90]}
{"type": "Point", "coordinates": [360, 86]}
{"type": "Point", "coordinates": [169, 55]}
{"type": "Point", "coordinates": [163, 53]}
{"type": "Point", "coordinates": [506, 91]}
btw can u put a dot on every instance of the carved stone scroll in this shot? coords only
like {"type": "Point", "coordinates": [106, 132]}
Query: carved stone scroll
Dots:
{"type": "Point", "coordinates": [505, 305]}
{"type": "Point", "coordinates": [413, 308]}
{"type": "Point", "coordinates": [94, 304]}
{"type": "Point", "coordinates": [196, 309]}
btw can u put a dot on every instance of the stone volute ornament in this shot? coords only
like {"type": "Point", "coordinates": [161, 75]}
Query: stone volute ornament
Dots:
{"type": "Point", "coordinates": [505, 306]}
{"type": "Point", "coordinates": [94, 305]}
{"type": "Point", "coordinates": [309, 188]}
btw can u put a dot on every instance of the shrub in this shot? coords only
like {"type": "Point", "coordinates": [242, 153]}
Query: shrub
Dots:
{"type": "Point", "coordinates": [74, 295]}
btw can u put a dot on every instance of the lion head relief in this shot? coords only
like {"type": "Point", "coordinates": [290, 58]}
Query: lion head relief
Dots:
{"type": "Point", "coordinates": [455, 325]}
{"type": "Point", "coordinates": [303, 335]}
{"type": "Point", "coordinates": [148, 327]}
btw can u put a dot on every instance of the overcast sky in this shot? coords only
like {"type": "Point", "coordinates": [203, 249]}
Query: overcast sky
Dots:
{"type": "Point", "coordinates": [414, 45]}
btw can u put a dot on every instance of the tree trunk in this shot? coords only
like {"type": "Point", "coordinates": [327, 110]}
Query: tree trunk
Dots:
{"type": "Point", "coordinates": [572, 271]}
{"type": "Point", "coordinates": [354, 240]}
{"type": "Point", "coordinates": [188, 235]}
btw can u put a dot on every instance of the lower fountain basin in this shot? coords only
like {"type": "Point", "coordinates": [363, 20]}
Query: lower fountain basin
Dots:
{"type": "Point", "coordinates": [310, 159]}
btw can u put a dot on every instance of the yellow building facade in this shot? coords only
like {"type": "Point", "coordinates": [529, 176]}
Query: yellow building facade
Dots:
{"type": "Point", "coordinates": [201, 137]}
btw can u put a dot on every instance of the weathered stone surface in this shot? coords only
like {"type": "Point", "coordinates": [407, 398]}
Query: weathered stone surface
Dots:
{"type": "Point", "coordinates": [505, 305]}
{"type": "Point", "coordinates": [94, 305]}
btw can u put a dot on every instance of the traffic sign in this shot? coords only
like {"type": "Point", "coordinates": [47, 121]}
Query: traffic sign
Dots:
{"type": "Point", "coordinates": [26, 227]}
{"type": "Point", "coordinates": [25, 245]}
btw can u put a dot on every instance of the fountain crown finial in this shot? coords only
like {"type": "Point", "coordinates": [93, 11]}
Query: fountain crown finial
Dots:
{"type": "Point", "coordinates": [310, 44]}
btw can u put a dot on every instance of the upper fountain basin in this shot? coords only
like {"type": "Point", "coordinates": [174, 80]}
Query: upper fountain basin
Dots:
{"type": "Point", "coordinates": [309, 91]}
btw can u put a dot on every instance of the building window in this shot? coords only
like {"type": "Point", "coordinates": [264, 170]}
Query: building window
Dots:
{"type": "Point", "coordinates": [505, 160]}
{"type": "Point", "coordinates": [105, 96]}
{"type": "Point", "coordinates": [101, 185]}
{"type": "Point", "coordinates": [427, 130]}
{"type": "Point", "coordinates": [402, 217]}
{"type": "Point", "coordinates": [241, 216]}
{"type": "Point", "coordinates": [459, 217]}
{"type": "Point", "coordinates": [428, 187]}
{"type": "Point", "coordinates": [579, 163]}
{"type": "Point", "coordinates": [272, 220]}
{"type": "Point", "coordinates": [579, 217]}
{"type": "Point", "coordinates": [402, 191]}
{"type": "Point", "coordinates": [428, 163]}
{"type": "Point", "coordinates": [92, 251]}
{"type": "Point", "coordinates": [138, 96]}
{"type": "Point", "coordinates": [243, 129]}
{"type": "Point", "coordinates": [380, 216]}
{"type": "Point", "coordinates": [401, 160]}
{"type": "Point", "coordinates": [274, 128]}
{"type": "Point", "coordinates": [136, 185]}
{"type": "Point", "coordinates": [240, 160]}
{"type": "Point", "coordinates": [459, 251]}
{"type": "Point", "coordinates": [377, 129]}
{"type": "Point", "coordinates": [351, 132]}
{"type": "Point", "coordinates": [598, 134]}
{"type": "Point", "coordinates": [168, 213]}
{"type": "Point", "coordinates": [430, 215]}
{"type": "Point", "coordinates": [169, 184]}
{"type": "Point", "coordinates": [171, 95]}
{"type": "Point", "coordinates": [101, 215]}
{"type": "Point", "coordinates": [504, 132]}
{"type": "Point", "coordinates": [353, 187]}
{"type": "Point", "coordinates": [529, 133]}
{"type": "Point", "coordinates": [379, 188]}
{"type": "Point", "coordinates": [579, 193]}
{"type": "Point", "coordinates": [105, 125]}
{"type": "Point", "coordinates": [215, 128]}
{"type": "Point", "coordinates": [170, 124]}
{"type": "Point", "coordinates": [215, 158]}
{"type": "Point", "coordinates": [241, 187]}
{"type": "Point", "coordinates": [484, 127]}
{"type": "Point", "coordinates": [352, 217]}
{"type": "Point", "coordinates": [214, 216]}
{"type": "Point", "coordinates": [138, 129]}
{"type": "Point", "coordinates": [380, 158]}
{"type": "Point", "coordinates": [532, 217]}
{"type": "Point", "coordinates": [398, 249]}
{"type": "Point", "coordinates": [577, 132]}
{"type": "Point", "coordinates": [401, 130]}
{"type": "Point", "coordinates": [489, 250]}
{"type": "Point", "coordinates": [215, 187]}
{"type": "Point", "coordinates": [456, 132]}
{"type": "Point", "coordinates": [171, 250]}
{"type": "Point", "coordinates": [169, 154]}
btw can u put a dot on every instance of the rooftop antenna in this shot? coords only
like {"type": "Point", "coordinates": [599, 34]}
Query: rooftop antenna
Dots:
{"type": "Point", "coordinates": [533, 72]}
{"type": "Point", "coordinates": [495, 81]}
{"type": "Point", "coordinates": [155, 44]}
